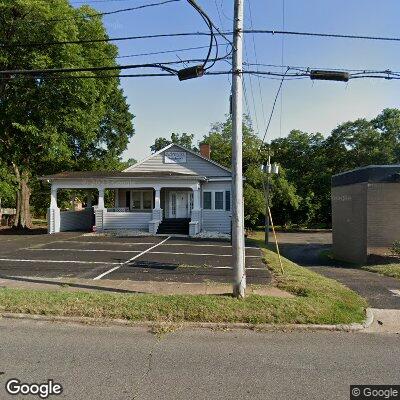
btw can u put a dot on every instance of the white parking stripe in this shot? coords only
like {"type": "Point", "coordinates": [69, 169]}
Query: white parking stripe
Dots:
{"type": "Point", "coordinates": [139, 251]}
{"type": "Point", "coordinates": [147, 243]}
{"type": "Point", "coordinates": [128, 261]}
{"type": "Point", "coordinates": [58, 261]}
{"type": "Point", "coordinates": [108, 243]}
{"type": "Point", "coordinates": [84, 250]}
{"type": "Point", "coordinates": [200, 254]}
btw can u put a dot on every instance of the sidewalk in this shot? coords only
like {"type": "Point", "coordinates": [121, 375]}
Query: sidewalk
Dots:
{"type": "Point", "coordinates": [128, 286]}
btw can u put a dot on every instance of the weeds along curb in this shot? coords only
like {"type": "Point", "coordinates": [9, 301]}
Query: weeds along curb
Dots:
{"type": "Point", "coordinates": [198, 325]}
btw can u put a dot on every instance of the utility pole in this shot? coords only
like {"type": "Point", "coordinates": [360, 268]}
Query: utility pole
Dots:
{"type": "Point", "coordinates": [238, 248]}
{"type": "Point", "coordinates": [267, 172]}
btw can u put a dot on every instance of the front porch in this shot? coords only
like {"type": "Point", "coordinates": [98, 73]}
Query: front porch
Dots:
{"type": "Point", "coordinates": [138, 205]}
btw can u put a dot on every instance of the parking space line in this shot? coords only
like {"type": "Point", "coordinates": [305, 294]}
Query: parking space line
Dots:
{"type": "Point", "coordinates": [84, 250]}
{"type": "Point", "coordinates": [199, 254]}
{"type": "Point", "coordinates": [131, 259]}
{"type": "Point", "coordinates": [147, 243]}
{"type": "Point", "coordinates": [107, 243]}
{"type": "Point", "coordinates": [140, 251]}
{"type": "Point", "coordinates": [58, 261]}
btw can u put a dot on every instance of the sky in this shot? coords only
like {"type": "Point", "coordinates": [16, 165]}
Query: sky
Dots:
{"type": "Point", "coordinates": [163, 105]}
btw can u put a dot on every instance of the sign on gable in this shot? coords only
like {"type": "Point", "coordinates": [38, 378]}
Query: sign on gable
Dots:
{"type": "Point", "coordinates": [175, 157]}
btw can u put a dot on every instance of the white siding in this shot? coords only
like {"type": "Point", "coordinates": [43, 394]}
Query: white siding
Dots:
{"type": "Point", "coordinates": [216, 220]}
{"type": "Point", "coordinates": [194, 164]}
{"type": "Point", "coordinates": [126, 220]}
{"type": "Point", "coordinates": [76, 220]}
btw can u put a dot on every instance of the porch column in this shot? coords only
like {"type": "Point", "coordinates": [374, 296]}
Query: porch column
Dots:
{"type": "Point", "coordinates": [53, 213]}
{"type": "Point", "coordinates": [53, 197]}
{"type": "Point", "coordinates": [157, 199]}
{"type": "Point", "coordinates": [116, 198]}
{"type": "Point", "coordinates": [196, 199]}
{"type": "Point", "coordinates": [89, 200]}
{"type": "Point", "coordinates": [100, 204]}
{"type": "Point", "coordinates": [100, 212]}
{"type": "Point", "coordinates": [195, 223]}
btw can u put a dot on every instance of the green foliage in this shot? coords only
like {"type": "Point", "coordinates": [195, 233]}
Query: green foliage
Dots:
{"type": "Point", "coordinates": [7, 188]}
{"type": "Point", "coordinates": [396, 248]}
{"type": "Point", "coordinates": [50, 125]}
{"type": "Point", "coordinates": [309, 161]}
{"type": "Point", "coordinates": [254, 155]}
{"type": "Point", "coordinates": [183, 139]}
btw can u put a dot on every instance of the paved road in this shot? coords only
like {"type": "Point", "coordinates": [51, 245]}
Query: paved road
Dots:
{"type": "Point", "coordinates": [305, 248]}
{"type": "Point", "coordinates": [126, 363]}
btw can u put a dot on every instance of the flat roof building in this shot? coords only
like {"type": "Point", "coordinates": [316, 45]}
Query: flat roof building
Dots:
{"type": "Point", "coordinates": [365, 211]}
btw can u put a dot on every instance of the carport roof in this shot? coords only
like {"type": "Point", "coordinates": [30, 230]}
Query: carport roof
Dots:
{"type": "Point", "coordinates": [118, 174]}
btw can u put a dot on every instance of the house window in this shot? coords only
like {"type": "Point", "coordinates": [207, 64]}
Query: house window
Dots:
{"type": "Point", "coordinates": [147, 200]}
{"type": "Point", "coordinates": [136, 200]}
{"type": "Point", "coordinates": [128, 199]}
{"type": "Point", "coordinates": [142, 199]}
{"type": "Point", "coordinates": [219, 200]}
{"type": "Point", "coordinates": [228, 200]}
{"type": "Point", "coordinates": [207, 200]}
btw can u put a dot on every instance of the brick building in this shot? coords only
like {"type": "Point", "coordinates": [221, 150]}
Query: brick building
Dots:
{"type": "Point", "coordinates": [365, 211]}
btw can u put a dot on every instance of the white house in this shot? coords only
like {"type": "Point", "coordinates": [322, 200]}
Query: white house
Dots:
{"type": "Point", "coordinates": [175, 190]}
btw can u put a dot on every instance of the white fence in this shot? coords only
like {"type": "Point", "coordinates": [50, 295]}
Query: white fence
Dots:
{"type": "Point", "coordinates": [76, 220]}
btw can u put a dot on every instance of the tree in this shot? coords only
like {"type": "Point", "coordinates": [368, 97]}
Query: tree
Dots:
{"type": "Point", "coordinates": [302, 159]}
{"type": "Point", "coordinates": [184, 139]}
{"type": "Point", "coordinates": [50, 123]}
{"type": "Point", "coordinates": [255, 153]}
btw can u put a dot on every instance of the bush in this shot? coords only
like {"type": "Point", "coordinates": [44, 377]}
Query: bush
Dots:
{"type": "Point", "coordinates": [396, 248]}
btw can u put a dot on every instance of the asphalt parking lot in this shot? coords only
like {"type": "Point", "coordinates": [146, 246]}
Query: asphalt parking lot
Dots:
{"type": "Point", "coordinates": [73, 255]}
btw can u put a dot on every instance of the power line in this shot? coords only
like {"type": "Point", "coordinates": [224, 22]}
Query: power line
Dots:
{"type": "Point", "coordinates": [183, 34]}
{"type": "Point", "coordinates": [160, 65]}
{"type": "Point", "coordinates": [209, 23]}
{"type": "Point", "coordinates": [274, 104]}
{"type": "Point", "coordinates": [101, 14]}
{"type": "Point", "coordinates": [329, 35]}
{"type": "Point", "coordinates": [255, 56]}
{"type": "Point", "coordinates": [264, 74]}
{"type": "Point", "coordinates": [115, 39]}
{"type": "Point", "coordinates": [164, 52]}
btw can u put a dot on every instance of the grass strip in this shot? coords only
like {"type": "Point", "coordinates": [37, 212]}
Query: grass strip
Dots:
{"type": "Point", "coordinates": [392, 270]}
{"type": "Point", "coordinates": [318, 300]}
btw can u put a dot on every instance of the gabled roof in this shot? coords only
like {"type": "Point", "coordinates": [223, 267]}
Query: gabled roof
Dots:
{"type": "Point", "coordinates": [132, 167]}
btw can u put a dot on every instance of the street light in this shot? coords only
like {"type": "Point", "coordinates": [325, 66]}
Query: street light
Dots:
{"type": "Point", "coordinates": [268, 169]}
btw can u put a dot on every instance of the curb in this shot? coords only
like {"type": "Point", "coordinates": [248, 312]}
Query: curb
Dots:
{"type": "Point", "coordinates": [356, 327]}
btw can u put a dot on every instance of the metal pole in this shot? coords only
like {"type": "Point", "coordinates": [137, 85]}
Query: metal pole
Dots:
{"type": "Point", "coordinates": [238, 249]}
{"type": "Point", "coordinates": [266, 211]}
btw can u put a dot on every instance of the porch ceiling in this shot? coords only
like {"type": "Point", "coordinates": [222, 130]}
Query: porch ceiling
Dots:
{"type": "Point", "coordinates": [118, 175]}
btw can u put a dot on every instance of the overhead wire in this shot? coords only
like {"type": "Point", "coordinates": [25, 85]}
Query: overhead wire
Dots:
{"type": "Point", "coordinates": [183, 34]}
{"type": "Point", "coordinates": [101, 14]}
{"type": "Point", "coordinates": [256, 58]}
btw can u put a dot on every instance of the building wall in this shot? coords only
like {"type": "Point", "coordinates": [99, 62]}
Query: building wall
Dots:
{"type": "Point", "coordinates": [126, 220]}
{"type": "Point", "coordinates": [383, 209]}
{"type": "Point", "coordinates": [349, 222]}
{"type": "Point", "coordinates": [216, 220]}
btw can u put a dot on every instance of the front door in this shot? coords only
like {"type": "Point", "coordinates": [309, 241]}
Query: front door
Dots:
{"type": "Point", "coordinates": [178, 205]}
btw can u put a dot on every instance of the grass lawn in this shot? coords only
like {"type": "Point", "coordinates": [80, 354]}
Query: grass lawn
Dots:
{"type": "Point", "coordinates": [318, 300]}
{"type": "Point", "coordinates": [392, 270]}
